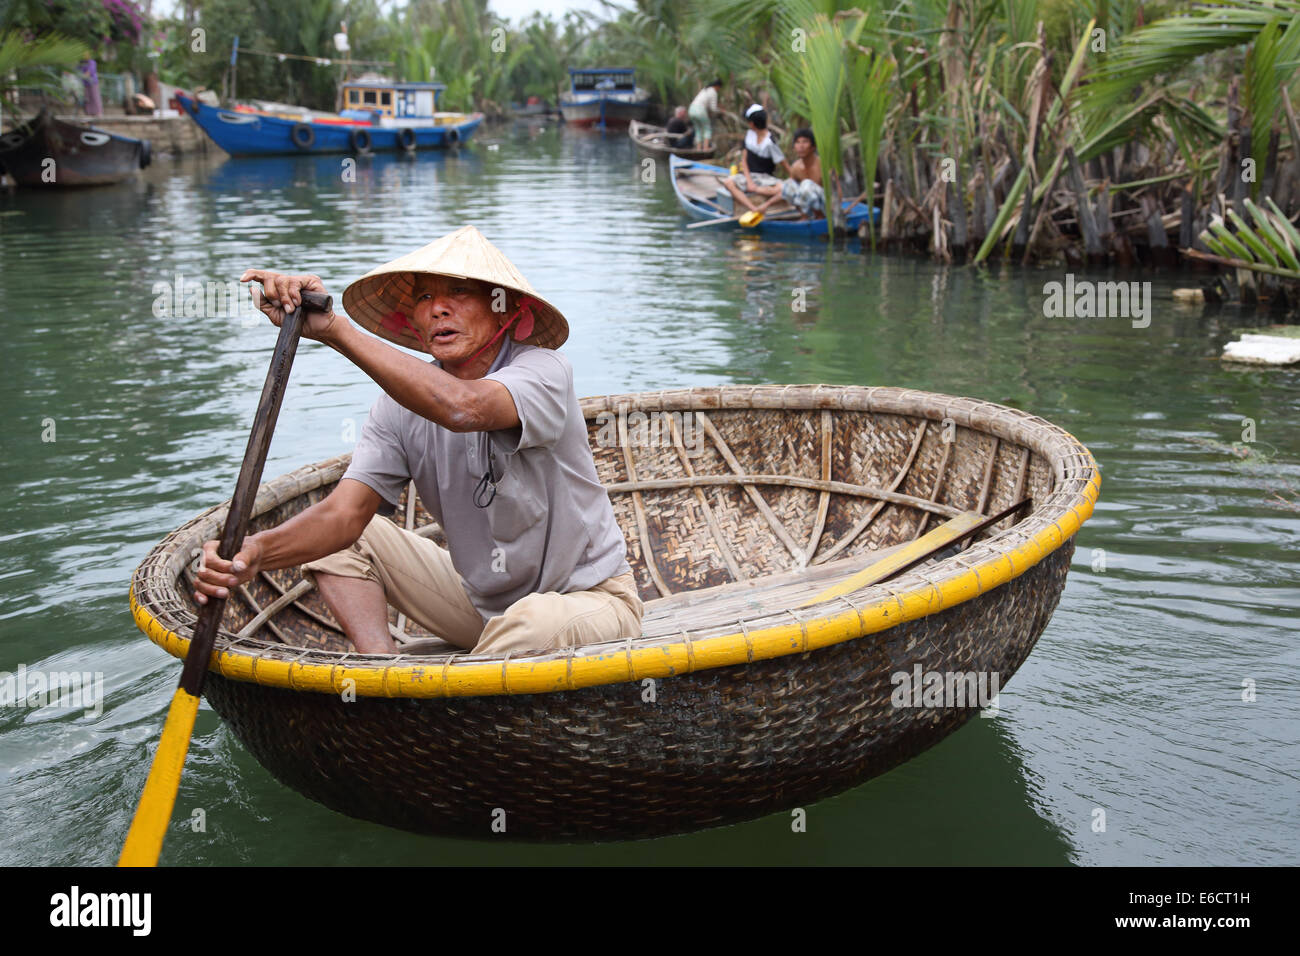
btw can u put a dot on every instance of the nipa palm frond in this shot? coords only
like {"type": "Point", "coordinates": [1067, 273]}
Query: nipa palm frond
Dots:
{"type": "Point", "coordinates": [1272, 246]}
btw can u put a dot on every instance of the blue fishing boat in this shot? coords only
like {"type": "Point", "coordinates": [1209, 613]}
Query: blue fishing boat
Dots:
{"type": "Point", "coordinates": [603, 97]}
{"type": "Point", "coordinates": [380, 116]}
{"type": "Point", "coordinates": [700, 191]}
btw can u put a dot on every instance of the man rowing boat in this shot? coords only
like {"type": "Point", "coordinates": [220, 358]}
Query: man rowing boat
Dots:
{"type": "Point", "coordinates": [493, 437]}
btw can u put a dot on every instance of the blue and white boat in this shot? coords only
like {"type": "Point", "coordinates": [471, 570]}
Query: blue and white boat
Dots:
{"type": "Point", "coordinates": [700, 192]}
{"type": "Point", "coordinates": [603, 97]}
{"type": "Point", "coordinates": [380, 115]}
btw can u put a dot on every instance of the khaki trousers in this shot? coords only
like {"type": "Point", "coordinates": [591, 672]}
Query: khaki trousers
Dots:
{"type": "Point", "coordinates": [419, 580]}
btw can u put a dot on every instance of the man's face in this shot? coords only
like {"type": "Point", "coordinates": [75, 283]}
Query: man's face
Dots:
{"type": "Point", "coordinates": [454, 318]}
{"type": "Point", "coordinates": [802, 147]}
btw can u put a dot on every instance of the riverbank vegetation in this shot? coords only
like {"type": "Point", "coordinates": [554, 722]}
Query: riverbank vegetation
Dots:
{"type": "Point", "coordinates": [33, 65]}
{"type": "Point", "coordinates": [1097, 131]}
{"type": "Point", "coordinates": [1100, 131]}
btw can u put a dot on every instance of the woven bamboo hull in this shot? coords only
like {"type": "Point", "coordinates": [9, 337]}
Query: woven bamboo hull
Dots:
{"type": "Point", "coordinates": [736, 701]}
{"type": "Point", "coordinates": [716, 747]}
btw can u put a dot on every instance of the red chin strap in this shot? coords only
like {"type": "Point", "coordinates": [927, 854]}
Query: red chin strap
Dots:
{"type": "Point", "coordinates": [396, 323]}
{"type": "Point", "coordinates": [527, 322]}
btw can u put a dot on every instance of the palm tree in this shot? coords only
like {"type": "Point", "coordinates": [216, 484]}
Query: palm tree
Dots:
{"type": "Point", "coordinates": [34, 62]}
{"type": "Point", "coordinates": [1272, 248]}
{"type": "Point", "coordinates": [471, 50]}
{"type": "Point", "coordinates": [1269, 29]}
{"type": "Point", "coordinates": [552, 44]}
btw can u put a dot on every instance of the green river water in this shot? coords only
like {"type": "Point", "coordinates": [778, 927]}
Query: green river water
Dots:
{"type": "Point", "coordinates": [1182, 587]}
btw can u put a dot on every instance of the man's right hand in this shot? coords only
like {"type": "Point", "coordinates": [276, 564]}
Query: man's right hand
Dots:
{"type": "Point", "coordinates": [283, 293]}
{"type": "Point", "coordinates": [216, 577]}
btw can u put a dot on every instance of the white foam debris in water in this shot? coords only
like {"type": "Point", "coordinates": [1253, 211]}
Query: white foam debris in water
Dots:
{"type": "Point", "coordinates": [1263, 350]}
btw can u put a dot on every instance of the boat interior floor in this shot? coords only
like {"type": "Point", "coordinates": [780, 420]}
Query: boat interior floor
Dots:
{"type": "Point", "coordinates": [699, 185]}
{"type": "Point", "coordinates": [690, 610]}
{"type": "Point", "coordinates": [708, 187]}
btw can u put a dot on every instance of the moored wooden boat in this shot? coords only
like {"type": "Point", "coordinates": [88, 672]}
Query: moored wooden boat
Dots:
{"type": "Point", "coordinates": [749, 691]}
{"type": "Point", "coordinates": [655, 141]}
{"type": "Point", "coordinates": [603, 97]}
{"type": "Point", "coordinates": [698, 187]}
{"type": "Point", "coordinates": [80, 155]}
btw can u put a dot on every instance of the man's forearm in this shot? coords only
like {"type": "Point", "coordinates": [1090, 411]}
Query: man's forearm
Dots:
{"type": "Point", "coordinates": [308, 536]}
{"type": "Point", "coordinates": [418, 386]}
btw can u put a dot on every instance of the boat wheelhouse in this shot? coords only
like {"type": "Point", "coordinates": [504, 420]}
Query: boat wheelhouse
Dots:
{"type": "Point", "coordinates": [392, 100]}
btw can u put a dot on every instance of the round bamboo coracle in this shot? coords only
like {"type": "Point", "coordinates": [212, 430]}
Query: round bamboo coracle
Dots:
{"type": "Point", "coordinates": [741, 505]}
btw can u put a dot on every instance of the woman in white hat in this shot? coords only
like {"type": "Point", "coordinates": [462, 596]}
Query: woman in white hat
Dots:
{"type": "Point", "coordinates": [758, 162]}
{"type": "Point", "coordinates": [492, 435]}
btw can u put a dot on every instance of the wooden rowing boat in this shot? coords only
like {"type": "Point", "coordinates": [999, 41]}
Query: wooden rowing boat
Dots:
{"type": "Point", "coordinates": [656, 142]}
{"type": "Point", "coordinates": [766, 675]}
{"type": "Point", "coordinates": [699, 191]}
{"type": "Point", "coordinates": [46, 151]}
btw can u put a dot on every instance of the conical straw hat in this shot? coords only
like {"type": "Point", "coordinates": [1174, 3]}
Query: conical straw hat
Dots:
{"type": "Point", "coordinates": [383, 299]}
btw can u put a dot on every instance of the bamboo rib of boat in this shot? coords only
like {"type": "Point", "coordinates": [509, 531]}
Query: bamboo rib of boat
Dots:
{"type": "Point", "coordinates": [740, 505]}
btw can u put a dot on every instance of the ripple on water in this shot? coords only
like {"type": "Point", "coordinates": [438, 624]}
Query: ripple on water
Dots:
{"type": "Point", "coordinates": [1181, 601]}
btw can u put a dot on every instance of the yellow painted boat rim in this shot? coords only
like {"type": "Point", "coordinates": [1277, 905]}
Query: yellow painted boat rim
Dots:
{"type": "Point", "coordinates": [921, 592]}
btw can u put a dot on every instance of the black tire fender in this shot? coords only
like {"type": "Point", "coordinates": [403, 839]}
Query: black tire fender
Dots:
{"type": "Point", "coordinates": [303, 136]}
{"type": "Point", "coordinates": [361, 141]}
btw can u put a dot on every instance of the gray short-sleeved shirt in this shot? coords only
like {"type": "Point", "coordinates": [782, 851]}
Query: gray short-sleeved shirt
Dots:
{"type": "Point", "coordinates": [550, 526]}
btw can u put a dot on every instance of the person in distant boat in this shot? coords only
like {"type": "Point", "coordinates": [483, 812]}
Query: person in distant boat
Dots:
{"type": "Point", "coordinates": [757, 163]}
{"type": "Point", "coordinates": [803, 189]}
{"type": "Point", "coordinates": [493, 437]}
{"type": "Point", "coordinates": [682, 136]}
{"type": "Point", "coordinates": [703, 108]}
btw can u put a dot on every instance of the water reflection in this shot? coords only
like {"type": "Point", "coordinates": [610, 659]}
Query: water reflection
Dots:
{"type": "Point", "coordinates": [377, 172]}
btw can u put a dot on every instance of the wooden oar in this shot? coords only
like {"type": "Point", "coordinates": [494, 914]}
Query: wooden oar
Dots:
{"type": "Point", "coordinates": [714, 222]}
{"type": "Point", "coordinates": [711, 204]}
{"type": "Point", "coordinates": [776, 216]}
{"type": "Point", "coordinates": [952, 531]}
{"type": "Point", "coordinates": [711, 222]}
{"type": "Point", "coordinates": [145, 838]}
